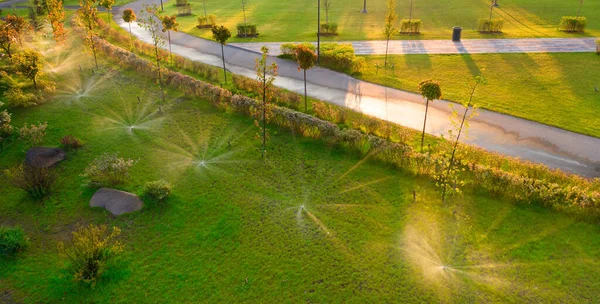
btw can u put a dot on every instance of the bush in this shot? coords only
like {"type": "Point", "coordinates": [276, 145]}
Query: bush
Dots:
{"type": "Point", "coordinates": [185, 10]}
{"type": "Point", "coordinates": [288, 50]}
{"type": "Point", "coordinates": [329, 29]}
{"type": "Point", "coordinates": [89, 251]}
{"type": "Point", "coordinates": [36, 181]}
{"type": "Point", "coordinates": [207, 22]}
{"type": "Point", "coordinates": [5, 127]}
{"type": "Point", "coordinates": [12, 240]}
{"type": "Point", "coordinates": [108, 170]}
{"type": "Point", "coordinates": [157, 190]}
{"type": "Point", "coordinates": [34, 134]}
{"type": "Point", "coordinates": [15, 98]}
{"type": "Point", "coordinates": [341, 57]}
{"type": "Point", "coordinates": [181, 2]}
{"type": "Point", "coordinates": [246, 30]}
{"type": "Point", "coordinates": [573, 24]}
{"type": "Point", "coordinates": [494, 25]}
{"type": "Point", "coordinates": [70, 142]}
{"type": "Point", "coordinates": [598, 46]}
{"type": "Point", "coordinates": [412, 26]}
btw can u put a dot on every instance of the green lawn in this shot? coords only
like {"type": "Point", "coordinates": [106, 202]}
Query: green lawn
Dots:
{"type": "Point", "coordinates": [555, 89]}
{"type": "Point", "coordinates": [296, 20]}
{"type": "Point", "coordinates": [234, 230]}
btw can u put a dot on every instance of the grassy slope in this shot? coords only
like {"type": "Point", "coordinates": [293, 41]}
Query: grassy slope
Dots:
{"type": "Point", "coordinates": [555, 89]}
{"type": "Point", "coordinates": [233, 231]}
{"type": "Point", "coordinates": [296, 20]}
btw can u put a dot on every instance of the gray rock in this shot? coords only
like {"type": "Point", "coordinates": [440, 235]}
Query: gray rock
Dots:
{"type": "Point", "coordinates": [44, 157]}
{"type": "Point", "coordinates": [115, 201]}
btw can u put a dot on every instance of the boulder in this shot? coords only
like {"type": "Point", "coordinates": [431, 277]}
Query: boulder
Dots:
{"type": "Point", "coordinates": [44, 157]}
{"type": "Point", "coordinates": [115, 201]}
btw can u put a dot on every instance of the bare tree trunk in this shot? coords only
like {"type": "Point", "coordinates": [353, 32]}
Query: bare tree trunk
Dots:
{"type": "Point", "coordinates": [305, 94]}
{"type": "Point", "coordinates": [579, 11]}
{"type": "Point", "coordinates": [264, 112]}
{"type": "Point", "coordinates": [223, 57]}
{"type": "Point", "coordinates": [424, 125]}
{"type": "Point", "coordinates": [387, 43]}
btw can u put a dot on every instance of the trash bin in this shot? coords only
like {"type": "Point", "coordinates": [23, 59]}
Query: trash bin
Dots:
{"type": "Point", "coordinates": [456, 33]}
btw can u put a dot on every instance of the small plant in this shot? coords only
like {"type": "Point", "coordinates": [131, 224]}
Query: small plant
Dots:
{"type": "Point", "coordinates": [184, 10]}
{"type": "Point", "coordinates": [207, 21]}
{"type": "Point", "coordinates": [246, 30]}
{"type": "Point", "coordinates": [70, 142]}
{"type": "Point", "coordinates": [15, 98]}
{"type": "Point", "coordinates": [12, 240]}
{"type": "Point", "coordinates": [573, 24]}
{"type": "Point", "coordinates": [36, 181]}
{"type": "Point", "coordinates": [108, 170]}
{"type": "Point", "coordinates": [329, 29]}
{"type": "Point", "coordinates": [5, 127]}
{"type": "Point", "coordinates": [493, 25]}
{"type": "Point", "coordinates": [412, 26]}
{"type": "Point", "coordinates": [157, 190]}
{"type": "Point", "coordinates": [34, 134]}
{"type": "Point", "coordinates": [181, 2]}
{"type": "Point", "coordinates": [89, 251]}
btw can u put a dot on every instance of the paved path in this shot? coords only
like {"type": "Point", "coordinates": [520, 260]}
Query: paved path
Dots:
{"type": "Point", "coordinates": [469, 46]}
{"type": "Point", "coordinates": [496, 132]}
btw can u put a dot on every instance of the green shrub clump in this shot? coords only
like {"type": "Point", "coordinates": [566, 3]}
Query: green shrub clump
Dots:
{"type": "Point", "coordinates": [288, 50]}
{"type": "Point", "coordinates": [157, 190]}
{"type": "Point", "coordinates": [33, 135]}
{"type": "Point", "coordinates": [246, 30]}
{"type": "Point", "coordinates": [412, 26]}
{"type": "Point", "coordinates": [181, 2]}
{"type": "Point", "coordinates": [329, 29]}
{"type": "Point", "coordinates": [5, 127]}
{"type": "Point", "coordinates": [70, 142]}
{"type": "Point", "coordinates": [573, 24]}
{"type": "Point", "coordinates": [494, 25]}
{"type": "Point", "coordinates": [12, 240]}
{"type": "Point", "coordinates": [108, 170]}
{"type": "Point", "coordinates": [207, 22]}
{"type": "Point", "coordinates": [36, 181]}
{"type": "Point", "coordinates": [341, 57]}
{"type": "Point", "coordinates": [89, 251]}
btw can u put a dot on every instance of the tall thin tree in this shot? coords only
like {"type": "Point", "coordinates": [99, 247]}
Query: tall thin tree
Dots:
{"type": "Point", "coordinates": [149, 22]}
{"type": "Point", "coordinates": [88, 14]}
{"type": "Point", "coordinates": [390, 27]}
{"type": "Point", "coordinates": [107, 4]}
{"type": "Point", "coordinates": [222, 34]}
{"type": "Point", "coordinates": [266, 76]}
{"type": "Point", "coordinates": [306, 60]}
{"type": "Point", "coordinates": [56, 16]}
{"type": "Point", "coordinates": [169, 23]}
{"type": "Point", "coordinates": [579, 10]}
{"type": "Point", "coordinates": [129, 16]}
{"type": "Point", "coordinates": [431, 91]}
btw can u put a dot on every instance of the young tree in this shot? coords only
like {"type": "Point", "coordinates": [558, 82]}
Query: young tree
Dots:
{"type": "Point", "coordinates": [8, 37]}
{"type": "Point", "coordinates": [129, 16]}
{"type": "Point", "coordinates": [266, 76]}
{"type": "Point", "coordinates": [107, 4]}
{"type": "Point", "coordinates": [411, 9]}
{"type": "Point", "coordinates": [306, 60]}
{"type": "Point", "coordinates": [18, 25]}
{"type": "Point", "coordinates": [244, 3]}
{"type": "Point", "coordinates": [88, 14]}
{"type": "Point", "coordinates": [56, 16]}
{"type": "Point", "coordinates": [169, 24]}
{"type": "Point", "coordinates": [579, 11]}
{"type": "Point", "coordinates": [150, 24]}
{"type": "Point", "coordinates": [390, 26]}
{"type": "Point", "coordinates": [205, 15]}
{"type": "Point", "coordinates": [491, 9]}
{"type": "Point", "coordinates": [222, 34]}
{"type": "Point", "coordinates": [327, 6]}
{"type": "Point", "coordinates": [460, 124]}
{"type": "Point", "coordinates": [34, 21]}
{"type": "Point", "coordinates": [29, 64]}
{"type": "Point", "coordinates": [431, 91]}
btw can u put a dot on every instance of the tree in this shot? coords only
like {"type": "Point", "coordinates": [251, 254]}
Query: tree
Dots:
{"type": "Point", "coordinates": [390, 26]}
{"type": "Point", "coordinates": [244, 3]}
{"type": "Point", "coordinates": [150, 24]}
{"type": "Point", "coordinates": [29, 64]}
{"type": "Point", "coordinates": [266, 76]}
{"type": "Point", "coordinates": [411, 9]}
{"type": "Point", "coordinates": [205, 15]}
{"type": "Point", "coordinates": [460, 124]}
{"type": "Point", "coordinates": [579, 11]}
{"type": "Point", "coordinates": [88, 14]}
{"type": "Point", "coordinates": [107, 4]}
{"type": "Point", "coordinates": [222, 34]}
{"type": "Point", "coordinates": [169, 24]}
{"type": "Point", "coordinates": [327, 6]}
{"type": "Point", "coordinates": [8, 37]}
{"type": "Point", "coordinates": [34, 21]}
{"type": "Point", "coordinates": [56, 16]}
{"type": "Point", "coordinates": [18, 25]}
{"type": "Point", "coordinates": [431, 91]}
{"type": "Point", "coordinates": [129, 16]}
{"type": "Point", "coordinates": [306, 60]}
{"type": "Point", "coordinates": [491, 9]}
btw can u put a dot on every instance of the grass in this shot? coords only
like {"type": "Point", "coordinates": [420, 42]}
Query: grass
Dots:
{"type": "Point", "coordinates": [296, 20]}
{"type": "Point", "coordinates": [234, 231]}
{"type": "Point", "coordinates": [555, 89]}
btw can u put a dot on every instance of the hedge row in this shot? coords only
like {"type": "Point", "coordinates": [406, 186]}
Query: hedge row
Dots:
{"type": "Point", "coordinates": [571, 194]}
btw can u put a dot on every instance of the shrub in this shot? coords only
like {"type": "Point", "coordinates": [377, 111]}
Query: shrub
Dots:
{"type": "Point", "coordinates": [36, 181]}
{"type": "Point", "coordinates": [341, 57]}
{"type": "Point", "coordinates": [70, 142]}
{"type": "Point", "coordinates": [573, 24]}
{"type": "Point", "coordinates": [247, 30]}
{"type": "Point", "coordinates": [181, 2]}
{"type": "Point", "coordinates": [288, 50]}
{"type": "Point", "coordinates": [598, 46]}
{"type": "Point", "coordinates": [494, 25]}
{"type": "Point", "coordinates": [412, 26]}
{"type": "Point", "coordinates": [34, 134]}
{"type": "Point", "coordinates": [185, 10]}
{"type": "Point", "coordinates": [108, 170]}
{"type": "Point", "coordinates": [329, 29]}
{"type": "Point", "coordinates": [5, 127]}
{"type": "Point", "coordinates": [15, 98]}
{"type": "Point", "coordinates": [12, 240]}
{"type": "Point", "coordinates": [207, 22]}
{"type": "Point", "coordinates": [330, 112]}
{"type": "Point", "coordinates": [89, 251]}
{"type": "Point", "coordinates": [157, 190]}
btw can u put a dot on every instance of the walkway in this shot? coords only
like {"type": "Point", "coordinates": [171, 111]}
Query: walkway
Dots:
{"type": "Point", "coordinates": [468, 46]}
{"type": "Point", "coordinates": [495, 132]}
